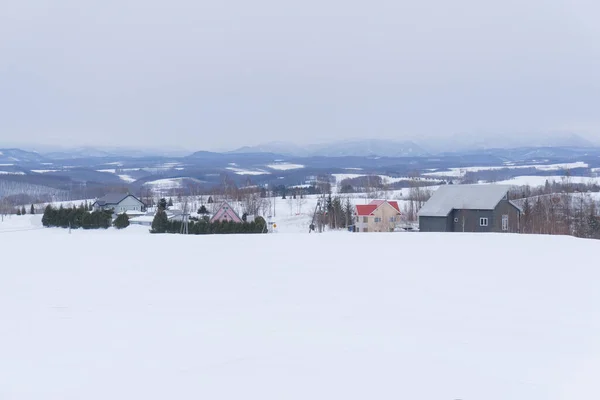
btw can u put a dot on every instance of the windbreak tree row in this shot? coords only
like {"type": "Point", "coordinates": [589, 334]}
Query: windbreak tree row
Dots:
{"type": "Point", "coordinates": [76, 218]}
{"type": "Point", "coordinates": [201, 227]}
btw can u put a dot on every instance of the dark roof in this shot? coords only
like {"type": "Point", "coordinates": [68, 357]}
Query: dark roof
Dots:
{"type": "Point", "coordinates": [463, 197]}
{"type": "Point", "coordinates": [114, 198]}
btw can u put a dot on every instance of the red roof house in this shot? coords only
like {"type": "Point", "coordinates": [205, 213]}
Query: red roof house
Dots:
{"type": "Point", "coordinates": [377, 216]}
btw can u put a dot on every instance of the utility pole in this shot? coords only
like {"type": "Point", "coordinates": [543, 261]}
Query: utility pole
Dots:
{"type": "Point", "coordinates": [185, 220]}
{"type": "Point", "coordinates": [318, 215]}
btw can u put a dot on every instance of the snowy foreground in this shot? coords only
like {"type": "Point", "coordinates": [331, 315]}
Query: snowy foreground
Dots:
{"type": "Point", "coordinates": [128, 315]}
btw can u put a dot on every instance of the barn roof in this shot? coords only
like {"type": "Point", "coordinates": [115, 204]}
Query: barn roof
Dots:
{"type": "Point", "coordinates": [463, 197]}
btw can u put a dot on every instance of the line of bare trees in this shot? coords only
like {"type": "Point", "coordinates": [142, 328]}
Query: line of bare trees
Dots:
{"type": "Point", "coordinates": [559, 208]}
{"type": "Point", "coordinates": [418, 195]}
{"type": "Point", "coordinates": [561, 214]}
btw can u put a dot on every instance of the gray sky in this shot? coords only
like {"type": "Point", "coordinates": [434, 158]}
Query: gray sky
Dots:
{"type": "Point", "coordinates": [227, 73]}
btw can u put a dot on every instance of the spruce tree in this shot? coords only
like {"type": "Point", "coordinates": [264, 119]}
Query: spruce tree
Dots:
{"type": "Point", "coordinates": [348, 213]}
{"type": "Point", "coordinates": [162, 204]}
{"type": "Point", "coordinates": [170, 203]}
{"type": "Point", "coordinates": [105, 219]}
{"type": "Point", "coordinates": [32, 210]}
{"type": "Point", "coordinates": [338, 211]}
{"type": "Point", "coordinates": [593, 224]}
{"type": "Point", "coordinates": [47, 218]}
{"type": "Point", "coordinates": [61, 218]}
{"type": "Point", "coordinates": [18, 211]}
{"type": "Point", "coordinates": [122, 221]}
{"type": "Point", "coordinates": [260, 224]}
{"type": "Point", "coordinates": [160, 222]}
{"type": "Point", "coordinates": [23, 211]}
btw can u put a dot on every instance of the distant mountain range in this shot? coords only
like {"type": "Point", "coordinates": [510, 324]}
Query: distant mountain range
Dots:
{"type": "Point", "coordinates": [92, 171]}
{"type": "Point", "coordinates": [546, 145]}
{"type": "Point", "coordinates": [354, 148]}
{"type": "Point", "coordinates": [470, 143]}
{"type": "Point", "coordinates": [425, 147]}
{"type": "Point", "coordinates": [15, 156]}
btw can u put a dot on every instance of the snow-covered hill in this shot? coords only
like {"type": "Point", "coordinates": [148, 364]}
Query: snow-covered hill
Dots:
{"type": "Point", "coordinates": [125, 314]}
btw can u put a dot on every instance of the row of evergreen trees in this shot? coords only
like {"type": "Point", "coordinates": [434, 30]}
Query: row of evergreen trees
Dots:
{"type": "Point", "coordinates": [23, 210]}
{"type": "Point", "coordinates": [339, 213]}
{"type": "Point", "coordinates": [161, 224]}
{"type": "Point", "coordinates": [76, 217]}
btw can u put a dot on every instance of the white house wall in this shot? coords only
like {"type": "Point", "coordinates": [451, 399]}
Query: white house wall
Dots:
{"type": "Point", "coordinates": [388, 218]}
{"type": "Point", "coordinates": [129, 203]}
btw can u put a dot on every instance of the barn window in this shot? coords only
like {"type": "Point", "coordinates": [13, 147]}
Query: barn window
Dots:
{"type": "Point", "coordinates": [483, 221]}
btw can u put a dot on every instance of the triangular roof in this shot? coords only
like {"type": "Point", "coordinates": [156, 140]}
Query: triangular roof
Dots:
{"type": "Point", "coordinates": [114, 198]}
{"type": "Point", "coordinates": [463, 197]}
{"type": "Point", "coordinates": [368, 209]}
{"type": "Point", "coordinates": [225, 204]}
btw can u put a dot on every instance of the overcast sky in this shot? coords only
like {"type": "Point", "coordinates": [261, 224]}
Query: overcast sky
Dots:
{"type": "Point", "coordinates": [227, 73]}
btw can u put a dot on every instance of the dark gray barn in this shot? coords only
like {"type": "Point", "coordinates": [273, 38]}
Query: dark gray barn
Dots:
{"type": "Point", "coordinates": [470, 208]}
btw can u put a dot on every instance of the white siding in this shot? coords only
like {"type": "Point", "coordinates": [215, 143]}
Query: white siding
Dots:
{"type": "Point", "coordinates": [129, 203]}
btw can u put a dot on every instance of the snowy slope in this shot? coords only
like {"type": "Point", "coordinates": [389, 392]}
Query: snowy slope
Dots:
{"type": "Point", "coordinates": [297, 316]}
{"type": "Point", "coordinates": [460, 172]}
{"type": "Point", "coordinates": [541, 180]}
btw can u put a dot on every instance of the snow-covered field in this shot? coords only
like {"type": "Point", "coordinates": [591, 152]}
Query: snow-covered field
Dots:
{"type": "Point", "coordinates": [283, 166]}
{"type": "Point", "coordinates": [126, 178]}
{"type": "Point", "coordinates": [162, 185]}
{"type": "Point", "coordinates": [241, 171]}
{"type": "Point", "coordinates": [460, 172]}
{"type": "Point", "coordinates": [129, 315]}
{"type": "Point", "coordinates": [541, 180]}
{"type": "Point", "coordinates": [123, 177]}
{"type": "Point", "coordinates": [388, 180]}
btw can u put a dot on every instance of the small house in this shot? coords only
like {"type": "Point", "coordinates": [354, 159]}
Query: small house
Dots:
{"type": "Point", "coordinates": [225, 213]}
{"type": "Point", "coordinates": [119, 203]}
{"type": "Point", "coordinates": [470, 208]}
{"type": "Point", "coordinates": [377, 216]}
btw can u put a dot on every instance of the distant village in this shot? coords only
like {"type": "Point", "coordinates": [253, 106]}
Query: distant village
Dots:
{"type": "Point", "coordinates": [464, 208]}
